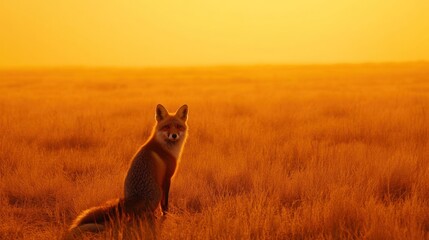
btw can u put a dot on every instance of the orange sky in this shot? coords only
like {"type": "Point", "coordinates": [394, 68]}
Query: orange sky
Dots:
{"type": "Point", "coordinates": [204, 32]}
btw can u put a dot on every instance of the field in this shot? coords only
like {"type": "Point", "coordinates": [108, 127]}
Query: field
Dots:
{"type": "Point", "coordinates": [274, 152]}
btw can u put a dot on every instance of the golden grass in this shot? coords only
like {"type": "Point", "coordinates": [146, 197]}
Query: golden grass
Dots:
{"type": "Point", "coordinates": [288, 152]}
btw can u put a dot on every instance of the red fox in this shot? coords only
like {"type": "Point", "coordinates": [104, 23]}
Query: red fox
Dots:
{"type": "Point", "coordinates": [147, 183]}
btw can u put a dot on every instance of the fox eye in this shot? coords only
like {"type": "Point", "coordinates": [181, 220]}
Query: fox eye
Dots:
{"type": "Point", "coordinates": [165, 128]}
{"type": "Point", "coordinates": [180, 127]}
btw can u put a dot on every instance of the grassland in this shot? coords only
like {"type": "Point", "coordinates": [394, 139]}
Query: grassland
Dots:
{"type": "Point", "coordinates": [274, 152]}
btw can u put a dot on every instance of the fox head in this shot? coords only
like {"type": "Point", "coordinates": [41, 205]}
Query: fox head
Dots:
{"type": "Point", "coordinates": [171, 128]}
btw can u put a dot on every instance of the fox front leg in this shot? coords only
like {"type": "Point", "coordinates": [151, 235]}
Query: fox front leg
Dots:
{"type": "Point", "coordinates": [164, 200]}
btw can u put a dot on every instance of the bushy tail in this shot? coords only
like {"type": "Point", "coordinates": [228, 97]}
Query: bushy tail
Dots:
{"type": "Point", "coordinates": [113, 212]}
{"type": "Point", "coordinates": [94, 219]}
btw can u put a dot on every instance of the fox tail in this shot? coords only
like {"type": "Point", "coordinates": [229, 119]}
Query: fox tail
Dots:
{"type": "Point", "coordinates": [95, 218]}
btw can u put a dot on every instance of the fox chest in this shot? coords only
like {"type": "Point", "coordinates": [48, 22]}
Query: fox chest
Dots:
{"type": "Point", "coordinates": [163, 169]}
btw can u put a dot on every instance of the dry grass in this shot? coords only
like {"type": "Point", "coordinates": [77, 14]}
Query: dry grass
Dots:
{"type": "Point", "coordinates": [293, 152]}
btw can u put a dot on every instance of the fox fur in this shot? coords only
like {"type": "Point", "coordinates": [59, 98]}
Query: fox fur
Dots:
{"type": "Point", "coordinates": [147, 183]}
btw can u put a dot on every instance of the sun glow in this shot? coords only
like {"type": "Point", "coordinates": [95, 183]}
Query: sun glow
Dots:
{"type": "Point", "coordinates": [154, 33]}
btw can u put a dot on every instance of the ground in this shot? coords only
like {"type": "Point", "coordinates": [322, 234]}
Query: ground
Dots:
{"type": "Point", "coordinates": [274, 152]}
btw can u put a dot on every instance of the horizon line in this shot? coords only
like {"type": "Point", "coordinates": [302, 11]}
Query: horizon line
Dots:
{"type": "Point", "coordinates": [195, 66]}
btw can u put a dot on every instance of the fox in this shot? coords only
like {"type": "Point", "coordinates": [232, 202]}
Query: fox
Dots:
{"type": "Point", "coordinates": [147, 182]}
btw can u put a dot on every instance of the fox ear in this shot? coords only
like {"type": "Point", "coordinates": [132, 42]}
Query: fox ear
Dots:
{"type": "Point", "coordinates": [161, 112]}
{"type": "Point", "coordinates": [182, 112]}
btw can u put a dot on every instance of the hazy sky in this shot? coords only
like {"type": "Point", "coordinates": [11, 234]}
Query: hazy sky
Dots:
{"type": "Point", "coordinates": [206, 32]}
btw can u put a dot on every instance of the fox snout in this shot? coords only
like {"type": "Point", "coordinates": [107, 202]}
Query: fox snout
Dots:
{"type": "Point", "coordinates": [173, 136]}
{"type": "Point", "coordinates": [171, 132]}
